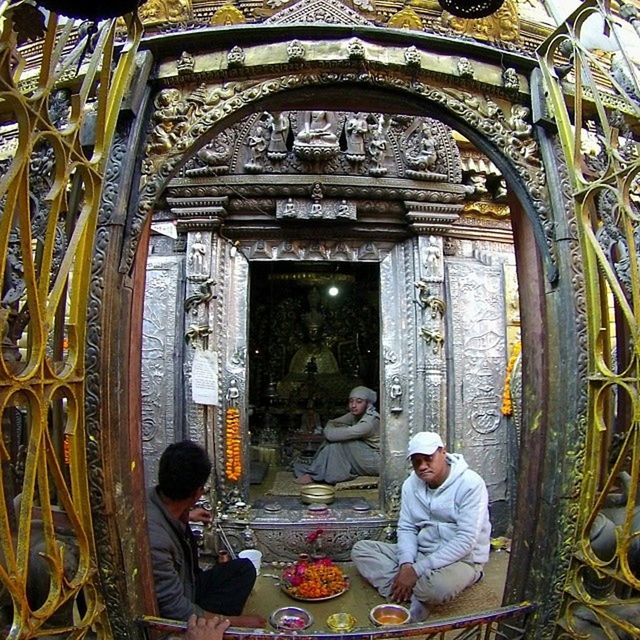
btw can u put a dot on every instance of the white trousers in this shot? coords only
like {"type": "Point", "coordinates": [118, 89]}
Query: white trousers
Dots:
{"type": "Point", "coordinates": [377, 563]}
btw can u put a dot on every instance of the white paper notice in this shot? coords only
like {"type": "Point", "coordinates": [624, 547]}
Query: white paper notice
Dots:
{"type": "Point", "coordinates": [165, 228]}
{"type": "Point", "coordinates": [204, 377]}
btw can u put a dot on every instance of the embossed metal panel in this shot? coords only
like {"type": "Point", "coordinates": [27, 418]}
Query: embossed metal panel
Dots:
{"type": "Point", "coordinates": [160, 369]}
{"type": "Point", "coordinates": [476, 340]}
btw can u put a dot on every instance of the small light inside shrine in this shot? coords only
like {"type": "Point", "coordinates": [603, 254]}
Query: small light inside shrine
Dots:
{"type": "Point", "coordinates": [333, 291]}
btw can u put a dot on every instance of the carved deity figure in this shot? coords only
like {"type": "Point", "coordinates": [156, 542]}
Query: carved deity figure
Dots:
{"type": "Point", "coordinates": [289, 209]}
{"type": "Point", "coordinates": [157, 11]}
{"type": "Point", "coordinates": [257, 143]}
{"type": "Point", "coordinates": [314, 357]}
{"type": "Point", "coordinates": [317, 130]}
{"type": "Point", "coordinates": [278, 125]}
{"type": "Point", "coordinates": [197, 256]}
{"type": "Point", "coordinates": [501, 190]}
{"type": "Point", "coordinates": [395, 392]}
{"type": "Point", "coordinates": [432, 256]}
{"type": "Point", "coordinates": [316, 209]}
{"type": "Point", "coordinates": [355, 130]}
{"type": "Point", "coordinates": [233, 393]}
{"type": "Point", "coordinates": [426, 155]}
{"type": "Point", "coordinates": [478, 181]}
{"type": "Point", "coordinates": [510, 80]}
{"type": "Point", "coordinates": [343, 210]}
{"type": "Point", "coordinates": [378, 147]}
{"type": "Point", "coordinates": [171, 117]}
{"type": "Point", "coordinates": [465, 69]}
{"type": "Point", "coordinates": [314, 352]}
{"type": "Point", "coordinates": [186, 63]}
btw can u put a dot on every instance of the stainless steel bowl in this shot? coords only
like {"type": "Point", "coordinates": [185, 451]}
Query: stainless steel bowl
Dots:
{"type": "Point", "coordinates": [291, 619]}
{"type": "Point", "coordinates": [389, 615]}
{"type": "Point", "coordinates": [317, 494]}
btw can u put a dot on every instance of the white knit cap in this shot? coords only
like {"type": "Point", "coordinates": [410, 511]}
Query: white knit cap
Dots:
{"type": "Point", "coordinates": [364, 393]}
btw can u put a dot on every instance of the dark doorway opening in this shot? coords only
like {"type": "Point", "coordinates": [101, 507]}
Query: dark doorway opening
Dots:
{"type": "Point", "coordinates": [314, 333]}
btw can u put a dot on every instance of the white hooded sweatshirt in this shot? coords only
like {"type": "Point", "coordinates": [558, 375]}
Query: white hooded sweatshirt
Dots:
{"type": "Point", "coordinates": [446, 524]}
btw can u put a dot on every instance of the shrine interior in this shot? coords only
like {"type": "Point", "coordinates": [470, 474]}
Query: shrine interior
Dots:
{"type": "Point", "coordinates": [314, 334]}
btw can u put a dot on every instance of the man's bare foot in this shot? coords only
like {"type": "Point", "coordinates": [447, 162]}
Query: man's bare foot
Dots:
{"type": "Point", "coordinates": [304, 479]}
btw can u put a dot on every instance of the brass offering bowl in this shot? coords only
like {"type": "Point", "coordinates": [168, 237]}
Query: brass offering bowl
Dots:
{"type": "Point", "coordinates": [341, 621]}
{"type": "Point", "coordinates": [317, 494]}
{"type": "Point", "coordinates": [387, 615]}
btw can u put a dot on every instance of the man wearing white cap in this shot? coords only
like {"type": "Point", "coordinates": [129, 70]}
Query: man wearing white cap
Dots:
{"type": "Point", "coordinates": [443, 531]}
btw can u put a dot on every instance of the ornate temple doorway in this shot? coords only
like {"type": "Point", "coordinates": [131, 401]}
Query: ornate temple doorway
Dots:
{"type": "Point", "coordinates": [315, 251]}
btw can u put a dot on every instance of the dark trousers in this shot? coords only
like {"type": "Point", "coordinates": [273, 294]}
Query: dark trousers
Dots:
{"type": "Point", "coordinates": [225, 587]}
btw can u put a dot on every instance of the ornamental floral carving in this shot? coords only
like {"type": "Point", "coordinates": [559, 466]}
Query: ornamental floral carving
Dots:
{"type": "Point", "coordinates": [412, 57]}
{"type": "Point", "coordinates": [236, 57]}
{"type": "Point", "coordinates": [295, 51]}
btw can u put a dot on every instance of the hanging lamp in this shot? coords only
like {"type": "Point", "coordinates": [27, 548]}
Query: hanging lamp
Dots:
{"type": "Point", "coordinates": [471, 8]}
{"type": "Point", "coordinates": [93, 10]}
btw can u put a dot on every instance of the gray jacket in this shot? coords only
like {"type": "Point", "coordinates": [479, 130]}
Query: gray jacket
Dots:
{"type": "Point", "coordinates": [174, 565]}
{"type": "Point", "coordinates": [438, 527]}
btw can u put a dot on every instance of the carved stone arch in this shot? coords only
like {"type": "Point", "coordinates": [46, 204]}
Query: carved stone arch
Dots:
{"type": "Point", "coordinates": [500, 130]}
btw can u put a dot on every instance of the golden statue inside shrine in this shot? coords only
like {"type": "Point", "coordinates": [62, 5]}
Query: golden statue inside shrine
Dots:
{"type": "Point", "coordinates": [314, 363]}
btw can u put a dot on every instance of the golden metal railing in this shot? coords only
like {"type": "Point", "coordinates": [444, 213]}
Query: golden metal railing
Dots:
{"type": "Point", "coordinates": [596, 128]}
{"type": "Point", "coordinates": [61, 123]}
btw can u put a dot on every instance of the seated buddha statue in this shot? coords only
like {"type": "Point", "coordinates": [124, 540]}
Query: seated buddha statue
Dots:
{"type": "Point", "coordinates": [313, 359]}
{"type": "Point", "coordinates": [317, 139]}
{"type": "Point", "coordinates": [314, 356]}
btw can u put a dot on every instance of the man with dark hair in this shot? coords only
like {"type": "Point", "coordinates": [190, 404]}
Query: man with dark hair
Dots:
{"type": "Point", "coordinates": [182, 587]}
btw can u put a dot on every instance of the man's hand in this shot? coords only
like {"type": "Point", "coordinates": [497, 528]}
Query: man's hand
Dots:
{"type": "Point", "coordinates": [403, 583]}
{"type": "Point", "coordinates": [199, 514]}
{"type": "Point", "coordinates": [252, 621]}
{"type": "Point", "coordinates": [206, 628]}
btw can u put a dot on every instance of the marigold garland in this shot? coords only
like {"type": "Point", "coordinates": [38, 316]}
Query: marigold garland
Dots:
{"type": "Point", "coordinates": [507, 400]}
{"type": "Point", "coordinates": [233, 450]}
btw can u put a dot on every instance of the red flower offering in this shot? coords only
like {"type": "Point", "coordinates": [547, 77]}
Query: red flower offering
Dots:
{"type": "Point", "coordinates": [314, 580]}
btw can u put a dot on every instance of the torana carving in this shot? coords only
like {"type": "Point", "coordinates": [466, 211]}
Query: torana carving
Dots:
{"type": "Point", "coordinates": [196, 112]}
{"type": "Point", "coordinates": [300, 142]}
